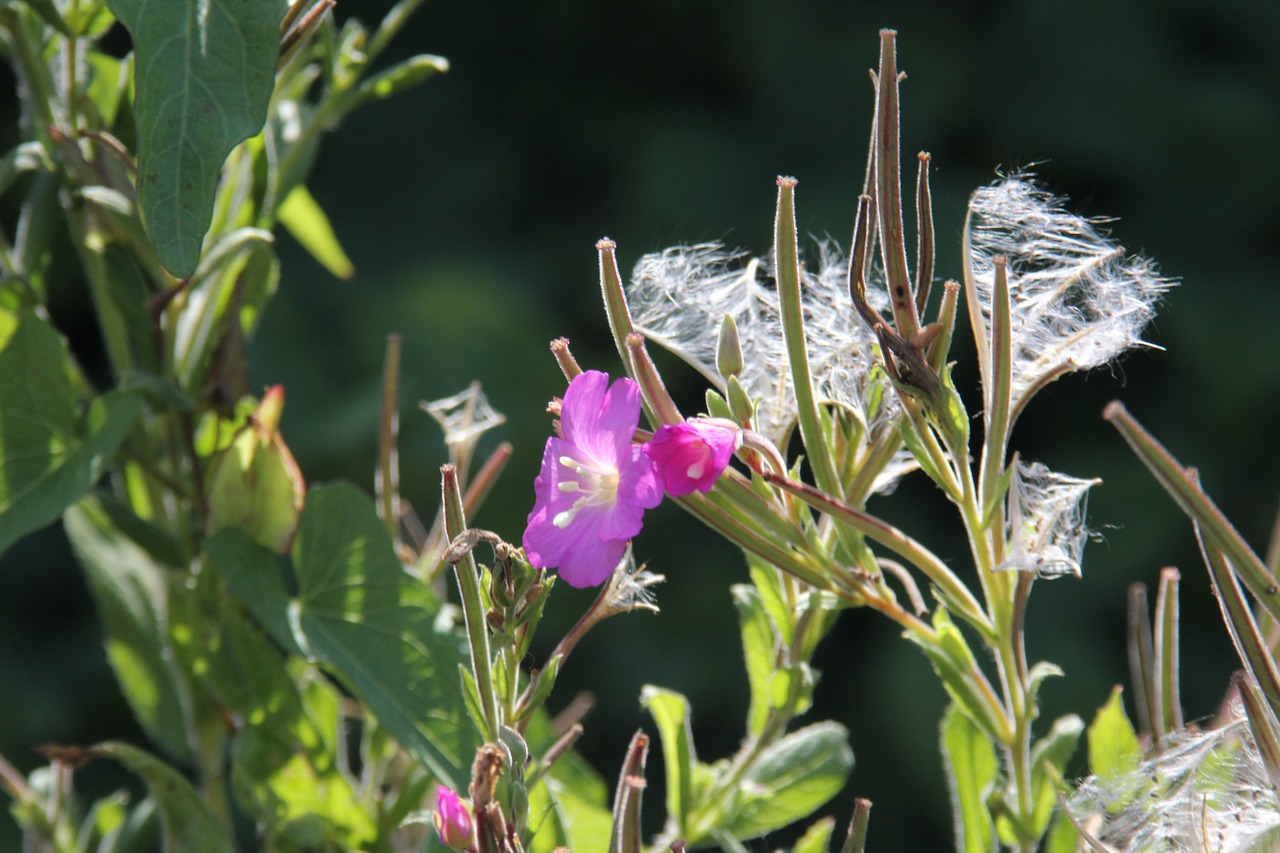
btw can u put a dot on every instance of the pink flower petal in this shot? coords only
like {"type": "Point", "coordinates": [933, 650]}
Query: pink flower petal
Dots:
{"type": "Point", "coordinates": [691, 456]}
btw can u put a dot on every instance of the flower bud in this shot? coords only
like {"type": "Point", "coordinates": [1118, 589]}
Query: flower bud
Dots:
{"type": "Point", "coordinates": [728, 348]}
{"type": "Point", "coordinates": [255, 485]}
{"type": "Point", "coordinates": [453, 820]}
{"type": "Point", "coordinates": [692, 455]}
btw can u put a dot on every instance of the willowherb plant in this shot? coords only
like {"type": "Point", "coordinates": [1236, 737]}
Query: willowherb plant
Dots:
{"type": "Point", "coordinates": [291, 654]}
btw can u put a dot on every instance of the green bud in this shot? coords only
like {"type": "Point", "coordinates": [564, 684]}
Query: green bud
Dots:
{"type": "Point", "coordinates": [740, 402]}
{"type": "Point", "coordinates": [728, 349]}
{"type": "Point", "coordinates": [255, 485]}
{"type": "Point", "coordinates": [717, 407]}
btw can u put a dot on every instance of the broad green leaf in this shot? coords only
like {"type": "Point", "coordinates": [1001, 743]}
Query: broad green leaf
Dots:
{"type": "Point", "coordinates": [285, 757]}
{"type": "Point", "coordinates": [306, 221]}
{"type": "Point", "coordinates": [371, 623]}
{"type": "Point", "coordinates": [792, 779]}
{"type": "Point", "coordinates": [1114, 751]}
{"type": "Point", "coordinates": [204, 72]}
{"type": "Point", "coordinates": [670, 712]}
{"type": "Point", "coordinates": [567, 807]}
{"type": "Point", "coordinates": [49, 457]}
{"type": "Point", "coordinates": [188, 825]}
{"type": "Point", "coordinates": [570, 805]}
{"type": "Point", "coordinates": [130, 591]}
{"type": "Point", "coordinates": [758, 652]}
{"type": "Point", "coordinates": [971, 766]}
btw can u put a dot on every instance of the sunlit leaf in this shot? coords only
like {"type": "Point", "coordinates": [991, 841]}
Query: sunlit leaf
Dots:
{"type": "Point", "coordinates": [368, 620]}
{"type": "Point", "coordinates": [188, 825]}
{"type": "Point", "coordinates": [792, 779]}
{"type": "Point", "coordinates": [971, 766]}
{"type": "Point", "coordinates": [306, 221]}
{"type": "Point", "coordinates": [49, 456]}
{"type": "Point", "coordinates": [129, 589]}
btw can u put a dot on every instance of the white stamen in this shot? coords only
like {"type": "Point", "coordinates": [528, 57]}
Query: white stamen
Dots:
{"type": "Point", "coordinates": [569, 486]}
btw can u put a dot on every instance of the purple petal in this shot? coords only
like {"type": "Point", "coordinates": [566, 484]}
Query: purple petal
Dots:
{"type": "Point", "coordinates": [600, 419]}
{"type": "Point", "coordinates": [593, 566]}
{"type": "Point", "coordinates": [691, 456]}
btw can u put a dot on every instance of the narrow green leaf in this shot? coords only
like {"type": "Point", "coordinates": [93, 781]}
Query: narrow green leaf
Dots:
{"type": "Point", "coordinates": [188, 825]}
{"type": "Point", "coordinates": [792, 779]}
{"type": "Point", "coordinates": [306, 221]}
{"type": "Point", "coordinates": [400, 77]}
{"type": "Point", "coordinates": [1114, 751]}
{"type": "Point", "coordinates": [758, 644]}
{"type": "Point", "coordinates": [670, 712]}
{"type": "Point", "coordinates": [971, 766]}
{"type": "Point", "coordinates": [768, 583]}
{"type": "Point", "coordinates": [1062, 836]}
{"type": "Point", "coordinates": [129, 590]}
{"type": "Point", "coordinates": [204, 70]}
{"type": "Point", "coordinates": [817, 838]}
{"type": "Point", "coordinates": [1048, 765]}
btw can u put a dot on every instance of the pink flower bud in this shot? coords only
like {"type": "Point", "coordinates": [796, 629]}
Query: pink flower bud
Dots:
{"type": "Point", "coordinates": [453, 820]}
{"type": "Point", "coordinates": [690, 456]}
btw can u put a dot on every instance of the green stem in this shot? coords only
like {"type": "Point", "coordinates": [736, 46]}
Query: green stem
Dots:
{"type": "Point", "coordinates": [952, 589]}
{"type": "Point", "coordinates": [388, 481]}
{"type": "Point", "coordinates": [791, 307]}
{"type": "Point", "coordinates": [1185, 489]}
{"type": "Point", "coordinates": [998, 386]}
{"type": "Point", "coordinates": [472, 606]}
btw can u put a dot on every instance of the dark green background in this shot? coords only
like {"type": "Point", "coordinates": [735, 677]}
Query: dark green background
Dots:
{"type": "Point", "coordinates": [471, 206]}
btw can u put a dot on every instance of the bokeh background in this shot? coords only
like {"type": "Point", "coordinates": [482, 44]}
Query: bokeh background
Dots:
{"type": "Point", "coordinates": [471, 205]}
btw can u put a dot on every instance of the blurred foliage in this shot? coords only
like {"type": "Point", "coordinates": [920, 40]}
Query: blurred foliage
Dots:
{"type": "Point", "coordinates": [469, 209]}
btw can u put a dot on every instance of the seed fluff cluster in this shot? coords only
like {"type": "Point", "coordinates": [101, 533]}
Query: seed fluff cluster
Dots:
{"type": "Point", "coordinates": [1077, 301]}
{"type": "Point", "coordinates": [679, 298]}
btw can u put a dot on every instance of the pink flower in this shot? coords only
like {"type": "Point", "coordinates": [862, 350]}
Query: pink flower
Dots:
{"type": "Point", "coordinates": [453, 820]}
{"type": "Point", "coordinates": [690, 456]}
{"type": "Point", "coordinates": [594, 485]}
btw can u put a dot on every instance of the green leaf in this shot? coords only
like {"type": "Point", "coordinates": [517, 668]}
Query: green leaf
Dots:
{"type": "Point", "coordinates": [768, 583]}
{"type": "Point", "coordinates": [286, 767]}
{"type": "Point", "coordinates": [817, 838]}
{"type": "Point", "coordinates": [48, 456]}
{"type": "Point", "coordinates": [306, 221]}
{"type": "Point", "coordinates": [204, 70]}
{"type": "Point", "coordinates": [1114, 751]}
{"type": "Point", "coordinates": [567, 808]}
{"type": "Point", "coordinates": [1048, 765]}
{"type": "Point", "coordinates": [792, 779]}
{"type": "Point", "coordinates": [366, 618]}
{"type": "Point", "coordinates": [971, 765]}
{"type": "Point", "coordinates": [1062, 836]}
{"type": "Point", "coordinates": [758, 651]}
{"type": "Point", "coordinates": [400, 77]}
{"type": "Point", "coordinates": [670, 712]}
{"type": "Point", "coordinates": [188, 825]}
{"type": "Point", "coordinates": [955, 665]}
{"type": "Point", "coordinates": [129, 589]}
